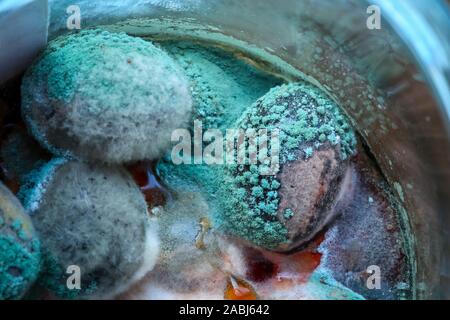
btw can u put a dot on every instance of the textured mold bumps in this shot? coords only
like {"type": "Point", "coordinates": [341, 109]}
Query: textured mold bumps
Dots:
{"type": "Point", "coordinates": [19, 248]}
{"type": "Point", "coordinates": [105, 96]}
{"type": "Point", "coordinates": [283, 210]}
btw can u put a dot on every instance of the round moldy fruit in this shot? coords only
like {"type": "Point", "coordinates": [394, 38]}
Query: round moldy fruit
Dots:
{"type": "Point", "coordinates": [283, 209]}
{"type": "Point", "coordinates": [107, 97]}
{"type": "Point", "coordinates": [20, 257]}
{"type": "Point", "coordinates": [92, 217]}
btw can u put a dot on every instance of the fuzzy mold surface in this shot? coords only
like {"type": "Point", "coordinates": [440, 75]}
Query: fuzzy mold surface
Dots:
{"type": "Point", "coordinates": [95, 218]}
{"type": "Point", "coordinates": [315, 143]}
{"type": "Point", "coordinates": [194, 231]}
{"type": "Point", "coordinates": [20, 257]}
{"type": "Point", "coordinates": [198, 262]}
{"type": "Point", "coordinates": [98, 96]}
{"type": "Point", "coordinates": [222, 86]}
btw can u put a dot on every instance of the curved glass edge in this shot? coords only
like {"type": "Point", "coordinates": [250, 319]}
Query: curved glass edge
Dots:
{"type": "Point", "coordinates": [424, 26]}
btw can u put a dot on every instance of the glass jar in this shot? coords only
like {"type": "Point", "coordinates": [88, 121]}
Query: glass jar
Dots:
{"type": "Point", "coordinates": [393, 83]}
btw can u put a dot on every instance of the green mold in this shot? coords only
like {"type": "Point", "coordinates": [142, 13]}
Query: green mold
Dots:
{"type": "Point", "coordinates": [71, 60]}
{"type": "Point", "coordinates": [96, 96]}
{"type": "Point", "coordinates": [20, 257]}
{"type": "Point", "coordinates": [399, 189]}
{"type": "Point", "coordinates": [18, 267]}
{"type": "Point", "coordinates": [245, 200]}
{"type": "Point", "coordinates": [222, 86]}
{"type": "Point", "coordinates": [54, 278]}
{"type": "Point", "coordinates": [303, 115]}
{"type": "Point", "coordinates": [225, 89]}
{"type": "Point", "coordinates": [35, 182]}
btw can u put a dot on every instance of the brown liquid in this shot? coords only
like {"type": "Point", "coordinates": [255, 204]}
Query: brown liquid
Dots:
{"type": "Point", "coordinates": [144, 175]}
{"type": "Point", "coordinates": [238, 289]}
{"type": "Point", "coordinates": [283, 268]}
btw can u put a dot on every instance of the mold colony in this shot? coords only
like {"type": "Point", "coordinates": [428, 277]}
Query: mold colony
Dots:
{"type": "Point", "coordinates": [219, 226]}
{"type": "Point", "coordinates": [78, 99]}
{"type": "Point", "coordinates": [285, 210]}
{"type": "Point", "coordinates": [88, 215]}
{"type": "Point", "coordinates": [20, 256]}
